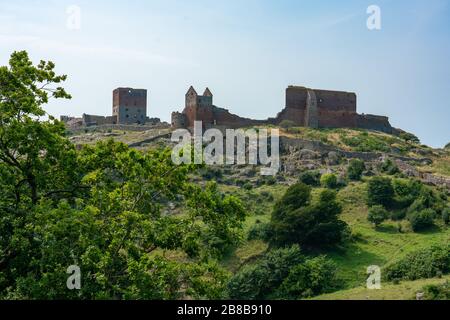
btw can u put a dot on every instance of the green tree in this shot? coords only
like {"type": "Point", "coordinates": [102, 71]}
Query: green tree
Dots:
{"type": "Point", "coordinates": [428, 262]}
{"type": "Point", "coordinates": [295, 220]}
{"type": "Point", "coordinates": [380, 192]}
{"type": "Point", "coordinates": [104, 208]}
{"type": "Point", "coordinates": [31, 149]}
{"type": "Point", "coordinates": [310, 178]}
{"type": "Point", "coordinates": [311, 278]}
{"type": "Point", "coordinates": [422, 219]}
{"type": "Point", "coordinates": [355, 169]}
{"type": "Point", "coordinates": [377, 214]}
{"type": "Point", "coordinates": [329, 180]}
{"type": "Point", "coordinates": [261, 280]}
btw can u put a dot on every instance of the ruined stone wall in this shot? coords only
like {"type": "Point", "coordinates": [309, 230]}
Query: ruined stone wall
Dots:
{"type": "Point", "coordinates": [334, 108]}
{"type": "Point", "coordinates": [373, 122]}
{"type": "Point", "coordinates": [178, 120]}
{"type": "Point", "coordinates": [336, 100]}
{"type": "Point", "coordinates": [293, 114]}
{"type": "Point", "coordinates": [224, 118]}
{"type": "Point", "coordinates": [296, 97]}
{"type": "Point", "coordinates": [305, 107]}
{"type": "Point", "coordinates": [89, 119]}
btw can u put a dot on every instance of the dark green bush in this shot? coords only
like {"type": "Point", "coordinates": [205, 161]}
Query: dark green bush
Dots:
{"type": "Point", "coordinates": [260, 280]}
{"type": "Point", "coordinates": [377, 214]}
{"type": "Point", "coordinates": [355, 169]}
{"type": "Point", "coordinates": [380, 192]}
{"type": "Point", "coordinates": [296, 220]}
{"type": "Point", "coordinates": [406, 192]}
{"type": "Point", "coordinates": [259, 231]}
{"type": "Point", "coordinates": [437, 291]}
{"type": "Point", "coordinates": [397, 215]}
{"type": "Point", "coordinates": [446, 215]}
{"type": "Point", "coordinates": [329, 180]}
{"type": "Point", "coordinates": [267, 195]}
{"type": "Point", "coordinates": [270, 180]}
{"type": "Point", "coordinates": [421, 220]}
{"type": "Point", "coordinates": [209, 173]}
{"type": "Point", "coordinates": [313, 277]}
{"type": "Point", "coordinates": [247, 186]}
{"type": "Point", "coordinates": [425, 263]}
{"type": "Point", "coordinates": [284, 274]}
{"type": "Point", "coordinates": [389, 167]}
{"type": "Point", "coordinates": [311, 178]}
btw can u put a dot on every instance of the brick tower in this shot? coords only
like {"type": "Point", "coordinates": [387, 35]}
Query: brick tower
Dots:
{"type": "Point", "coordinates": [130, 105]}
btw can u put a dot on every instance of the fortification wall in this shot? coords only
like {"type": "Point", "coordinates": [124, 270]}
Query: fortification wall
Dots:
{"type": "Point", "coordinates": [337, 119]}
{"type": "Point", "coordinates": [374, 122]}
{"type": "Point", "coordinates": [89, 119]}
{"type": "Point", "coordinates": [296, 97]}
{"type": "Point", "coordinates": [336, 100]}
{"type": "Point", "coordinates": [178, 120]}
{"type": "Point", "coordinates": [223, 117]}
{"type": "Point", "coordinates": [305, 107]}
{"type": "Point", "coordinates": [129, 97]}
{"type": "Point", "coordinates": [293, 114]}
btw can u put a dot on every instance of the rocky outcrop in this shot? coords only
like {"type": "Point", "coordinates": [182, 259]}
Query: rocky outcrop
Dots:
{"type": "Point", "coordinates": [311, 154]}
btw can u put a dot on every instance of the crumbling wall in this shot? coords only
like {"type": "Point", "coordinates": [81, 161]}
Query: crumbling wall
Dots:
{"type": "Point", "coordinates": [89, 120]}
{"type": "Point", "coordinates": [305, 107]}
{"type": "Point", "coordinates": [373, 122]}
{"type": "Point", "coordinates": [178, 120]}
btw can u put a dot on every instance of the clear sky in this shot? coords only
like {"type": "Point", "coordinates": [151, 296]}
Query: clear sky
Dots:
{"type": "Point", "coordinates": [247, 52]}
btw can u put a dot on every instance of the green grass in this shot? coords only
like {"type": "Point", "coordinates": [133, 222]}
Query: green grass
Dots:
{"type": "Point", "coordinates": [403, 291]}
{"type": "Point", "coordinates": [375, 246]}
{"type": "Point", "coordinates": [369, 246]}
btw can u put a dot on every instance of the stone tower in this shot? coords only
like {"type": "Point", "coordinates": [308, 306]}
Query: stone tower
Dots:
{"type": "Point", "coordinates": [130, 105]}
{"type": "Point", "coordinates": [198, 108]}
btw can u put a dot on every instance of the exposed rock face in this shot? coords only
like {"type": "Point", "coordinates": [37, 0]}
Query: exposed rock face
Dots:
{"type": "Point", "coordinates": [306, 154]}
{"type": "Point", "coordinates": [333, 158]}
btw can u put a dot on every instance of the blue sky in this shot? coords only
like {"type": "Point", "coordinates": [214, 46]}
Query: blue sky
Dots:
{"type": "Point", "coordinates": [246, 52]}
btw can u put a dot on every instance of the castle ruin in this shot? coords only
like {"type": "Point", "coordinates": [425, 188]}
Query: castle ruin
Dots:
{"type": "Point", "coordinates": [129, 106]}
{"type": "Point", "coordinates": [304, 107]}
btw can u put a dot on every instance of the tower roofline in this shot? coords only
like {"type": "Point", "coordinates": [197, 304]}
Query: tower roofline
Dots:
{"type": "Point", "coordinates": [191, 89]}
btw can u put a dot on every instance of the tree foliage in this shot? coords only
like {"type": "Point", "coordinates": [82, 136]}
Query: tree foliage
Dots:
{"type": "Point", "coordinates": [380, 192]}
{"type": "Point", "coordinates": [284, 273]}
{"type": "Point", "coordinates": [355, 169]}
{"type": "Point", "coordinates": [104, 208]}
{"type": "Point", "coordinates": [425, 263]}
{"type": "Point", "coordinates": [377, 214]}
{"type": "Point", "coordinates": [297, 220]}
{"type": "Point", "coordinates": [329, 180]}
